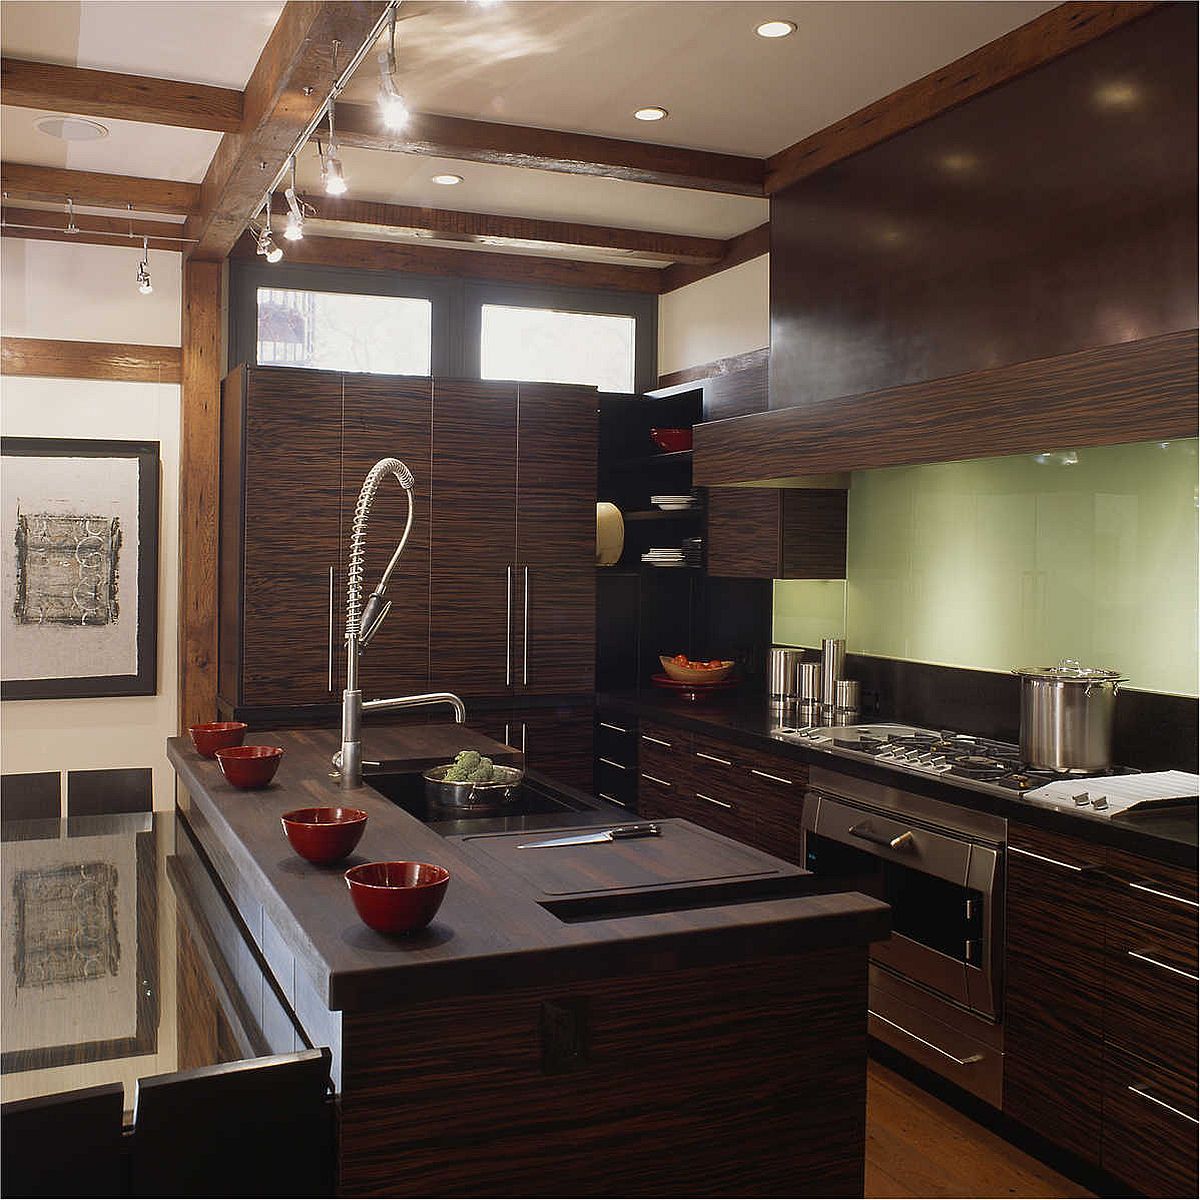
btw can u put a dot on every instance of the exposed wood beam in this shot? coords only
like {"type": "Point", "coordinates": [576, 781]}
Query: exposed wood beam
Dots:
{"type": "Point", "coordinates": [54, 184]}
{"type": "Point", "coordinates": [128, 97]}
{"type": "Point", "coordinates": [523, 232]}
{"type": "Point", "coordinates": [89, 360]}
{"type": "Point", "coordinates": [464, 264]}
{"type": "Point", "coordinates": [290, 83]}
{"type": "Point", "coordinates": [199, 481]}
{"type": "Point", "coordinates": [552, 150]}
{"type": "Point", "coordinates": [737, 251]}
{"type": "Point", "coordinates": [93, 231]}
{"type": "Point", "coordinates": [1043, 39]}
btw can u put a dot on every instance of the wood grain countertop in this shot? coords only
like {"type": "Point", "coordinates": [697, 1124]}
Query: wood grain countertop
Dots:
{"type": "Point", "coordinates": [495, 929]}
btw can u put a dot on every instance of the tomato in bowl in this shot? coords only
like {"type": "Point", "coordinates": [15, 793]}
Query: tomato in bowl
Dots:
{"type": "Point", "coordinates": [685, 670]}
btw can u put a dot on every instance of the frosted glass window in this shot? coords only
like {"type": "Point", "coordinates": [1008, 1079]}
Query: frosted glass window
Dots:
{"type": "Point", "coordinates": [542, 344]}
{"type": "Point", "coordinates": [337, 331]}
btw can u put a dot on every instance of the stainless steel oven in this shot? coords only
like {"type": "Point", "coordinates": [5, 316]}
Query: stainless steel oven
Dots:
{"type": "Point", "coordinates": [936, 982]}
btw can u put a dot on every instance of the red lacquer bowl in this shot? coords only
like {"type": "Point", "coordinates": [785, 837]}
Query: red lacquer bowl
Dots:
{"type": "Point", "coordinates": [216, 735]}
{"type": "Point", "coordinates": [672, 440]}
{"type": "Point", "coordinates": [397, 897]}
{"type": "Point", "coordinates": [250, 766]}
{"type": "Point", "coordinates": [324, 835]}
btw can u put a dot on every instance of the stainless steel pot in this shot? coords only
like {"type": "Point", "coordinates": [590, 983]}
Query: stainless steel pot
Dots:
{"type": "Point", "coordinates": [473, 797]}
{"type": "Point", "coordinates": [1067, 716]}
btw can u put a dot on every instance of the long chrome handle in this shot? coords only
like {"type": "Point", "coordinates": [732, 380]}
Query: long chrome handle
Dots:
{"type": "Point", "coordinates": [655, 779]}
{"type": "Point", "coordinates": [657, 741]}
{"type": "Point", "coordinates": [331, 609]}
{"type": "Point", "coordinates": [961, 1062]}
{"type": "Point", "coordinates": [614, 728]}
{"type": "Point", "coordinates": [508, 586]}
{"type": "Point", "coordinates": [768, 775]}
{"type": "Point", "coordinates": [1161, 1103]}
{"type": "Point", "coordinates": [1145, 887]}
{"type": "Point", "coordinates": [612, 799]}
{"type": "Point", "coordinates": [1162, 966]}
{"type": "Point", "coordinates": [1054, 862]}
{"type": "Point", "coordinates": [718, 803]}
{"type": "Point", "coordinates": [525, 637]}
{"type": "Point", "coordinates": [900, 842]}
{"type": "Point", "coordinates": [609, 762]}
{"type": "Point", "coordinates": [713, 758]}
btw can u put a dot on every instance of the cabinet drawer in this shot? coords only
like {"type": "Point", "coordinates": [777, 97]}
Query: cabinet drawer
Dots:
{"type": "Point", "coordinates": [616, 783]}
{"type": "Point", "coordinates": [1153, 902]}
{"type": "Point", "coordinates": [657, 796]}
{"type": "Point", "coordinates": [663, 753]}
{"type": "Point", "coordinates": [1152, 1006]}
{"type": "Point", "coordinates": [617, 738]}
{"type": "Point", "coordinates": [720, 812]}
{"type": "Point", "coordinates": [1150, 1126]}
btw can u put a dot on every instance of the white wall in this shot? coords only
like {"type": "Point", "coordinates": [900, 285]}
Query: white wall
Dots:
{"type": "Point", "coordinates": [725, 314]}
{"type": "Point", "coordinates": [87, 293]}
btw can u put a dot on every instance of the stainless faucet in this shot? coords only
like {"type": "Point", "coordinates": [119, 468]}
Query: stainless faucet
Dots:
{"type": "Point", "coordinates": [362, 623]}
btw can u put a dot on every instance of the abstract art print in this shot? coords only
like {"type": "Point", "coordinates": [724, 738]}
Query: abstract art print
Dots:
{"type": "Point", "coordinates": [79, 566]}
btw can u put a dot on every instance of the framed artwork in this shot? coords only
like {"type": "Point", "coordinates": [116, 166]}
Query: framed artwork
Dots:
{"type": "Point", "coordinates": [78, 568]}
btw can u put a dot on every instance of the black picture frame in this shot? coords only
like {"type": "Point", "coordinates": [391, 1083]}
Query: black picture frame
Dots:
{"type": "Point", "coordinates": [144, 681]}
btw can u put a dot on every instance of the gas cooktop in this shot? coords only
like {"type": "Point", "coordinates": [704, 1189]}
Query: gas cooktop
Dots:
{"type": "Point", "coordinates": [981, 763]}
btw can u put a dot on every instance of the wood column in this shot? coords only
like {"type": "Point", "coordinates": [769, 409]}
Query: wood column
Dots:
{"type": "Point", "coordinates": [199, 478]}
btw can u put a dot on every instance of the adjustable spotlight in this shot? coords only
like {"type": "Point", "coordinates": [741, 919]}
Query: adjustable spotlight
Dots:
{"type": "Point", "coordinates": [331, 164]}
{"type": "Point", "coordinates": [294, 230]}
{"type": "Point", "coordinates": [266, 244]}
{"type": "Point", "coordinates": [391, 102]}
{"type": "Point", "coordinates": [143, 271]}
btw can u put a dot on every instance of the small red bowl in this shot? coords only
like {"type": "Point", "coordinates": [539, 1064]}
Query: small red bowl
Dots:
{"type": "Point", "coordinates": [324, 835]}
{"type": "Point", "coordinates": [672, 440]}
{"type": "Point", "coordinates": [397, 897]}
{"type": "Point", "coordinates": [217, 735]}
{"type": "Point", "coordinates": [250, 766]}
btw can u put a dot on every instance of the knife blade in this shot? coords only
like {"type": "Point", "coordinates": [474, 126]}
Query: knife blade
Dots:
{"type": "Point", "coordinates": [615, 834]}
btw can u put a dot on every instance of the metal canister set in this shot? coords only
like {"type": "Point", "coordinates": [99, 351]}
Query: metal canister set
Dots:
{"type": "Point", "coordinates": [814, 685]}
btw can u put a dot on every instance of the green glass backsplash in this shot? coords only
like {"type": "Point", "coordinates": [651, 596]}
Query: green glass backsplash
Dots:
{"type": "Point", "coordinates": [1004, 562]}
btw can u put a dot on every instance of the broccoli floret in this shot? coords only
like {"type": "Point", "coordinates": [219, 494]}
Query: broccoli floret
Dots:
{"type": "Point", "coordinates": [455, 774]}
{"type": "Point", "coordinates": [468, 760]}
{"type": "Point", "coordinates": [481, 775]}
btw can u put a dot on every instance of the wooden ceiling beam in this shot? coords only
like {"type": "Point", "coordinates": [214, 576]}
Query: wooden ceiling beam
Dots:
{"type": "Point", "coordinates": [52, 185]}
{"type": "Point", "coordinates": [737, 250]}
{"type": "Point", "coordinates": [289, 85]}
{"type": "Point", "coordinates": [367, 255]}
{"type": "Point", "coordinates": [1042, 40]}
{"type": "Point", "coordinates": [127, 97]}
{"type": "Point", "coordinates": [38, 224]}
{"type": "Point", "coordinates": [552, 150]}
{"type": "Point", "coordinates": [521, 233]}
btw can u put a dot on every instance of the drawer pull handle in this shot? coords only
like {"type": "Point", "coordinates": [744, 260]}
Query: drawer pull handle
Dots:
{"type": "Point", "coordinates": [657, 741]}
{"type": "Point", "coordinates": [608, 762]}
{"type": "Point", "coordinates": [1161, 1104]}
{"type": "Point", "coordinates": [1146, 958]}
{"type": "Point", "coordinates": [1145, 887]}
{"type": "Point", "coordinates": [773, 778]}
{"type": "Point", "coordinates": [713, 758]}
{"type": "Point", "coordinates": [655, 779]}
{"type": "Point", "coordinates": [719, 803]}
{"type": "Point", "coordinates": [961, 1062]}
{"type": "Point", "coordinates": [614, 728]}
{"type": "Point", "coordinates": [1054, 862]}
{"type": "Point", "coordinates": [902, 841]}
{"type": "Point", "coordinates": [612, 799]}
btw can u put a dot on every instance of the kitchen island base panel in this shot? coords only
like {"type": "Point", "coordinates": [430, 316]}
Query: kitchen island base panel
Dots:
{"type": "Point", "coordinates": [745, 1079]}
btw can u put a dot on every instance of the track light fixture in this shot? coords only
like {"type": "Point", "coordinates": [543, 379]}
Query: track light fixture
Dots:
{"type": "Point", "coordinates": [143, 271]}
{"type": "Point", "coordinates": [331, 165]}
{"type": "Point", "coordinates": [391, 102]}
{"type": "Point", "coordinates": [266, 244]}
{"type": "Point", "coordinates": [297, 210]}
{"type": "Point", "coordinates": [71, 226]}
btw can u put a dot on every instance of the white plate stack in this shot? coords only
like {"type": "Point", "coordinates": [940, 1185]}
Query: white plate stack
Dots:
{"type": "Point", "coordinates": [678, 503]}
{"type": "Point", "coordinates": [665, 556]}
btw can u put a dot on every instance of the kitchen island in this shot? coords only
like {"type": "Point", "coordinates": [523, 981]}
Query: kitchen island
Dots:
{"type": "Point", "coordinates": [697, 1026]}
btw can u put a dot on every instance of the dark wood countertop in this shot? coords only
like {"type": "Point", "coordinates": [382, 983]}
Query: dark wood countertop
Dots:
{"type": "Point", "coordinates": [491, 933]}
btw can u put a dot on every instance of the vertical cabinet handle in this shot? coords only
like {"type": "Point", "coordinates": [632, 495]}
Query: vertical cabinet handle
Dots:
{"type": "Point", "coordinates": [331, 628]}
{"type": "Point", "coordinates": [508, 586]}
{"type": "Point", "coordinates": [525, 638]}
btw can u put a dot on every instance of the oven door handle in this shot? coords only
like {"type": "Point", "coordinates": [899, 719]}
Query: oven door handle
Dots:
{"type": "Point", "coordinates": [902, 841]}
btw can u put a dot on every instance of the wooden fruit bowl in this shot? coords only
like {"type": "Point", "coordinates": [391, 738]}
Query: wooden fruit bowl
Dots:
{"type": "Point", "coordinates": [694, 675]}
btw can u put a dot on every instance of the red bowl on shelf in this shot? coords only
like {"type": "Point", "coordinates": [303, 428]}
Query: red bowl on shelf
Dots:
{"type": "Point", "coordinates": [217, 735]}
{"type": "Point", "coordinates": [397, 897]}
{"type": "Point", "coordinates": [324, 835]}
{"type": "Point", "coordinates": [672, 440]}
{"type": "Point", "coordinates": [250, 766]}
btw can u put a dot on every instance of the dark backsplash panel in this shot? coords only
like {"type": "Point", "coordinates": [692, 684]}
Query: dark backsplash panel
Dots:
{"type": "Point", "coordinates": [1153, 731]}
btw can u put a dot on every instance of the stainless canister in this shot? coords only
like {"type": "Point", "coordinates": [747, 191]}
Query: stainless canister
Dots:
{"type": "Point", "coordinates": [782, 673]}
{"type": "Point", "coordinates": [808, 682]}
{"type": "Point", "coordinates": [1067, 716]}
{"type": "Point", "coordinates": [848, 694]}
{"type": "Point", "coordinates": [833, 662]}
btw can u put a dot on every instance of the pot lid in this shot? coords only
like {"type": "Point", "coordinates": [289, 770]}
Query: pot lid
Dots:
{"type": "Point", "coordinates": [1070, 671]}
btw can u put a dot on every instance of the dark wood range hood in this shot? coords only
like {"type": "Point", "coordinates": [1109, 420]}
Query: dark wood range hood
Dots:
{"type": "Point", "coordinates": [1013, 276]}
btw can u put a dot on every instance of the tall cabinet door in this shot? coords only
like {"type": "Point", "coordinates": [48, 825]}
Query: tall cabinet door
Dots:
{"type": "Point", "coordinates": [291, 533]}
{"type": "Point", "coordinates": [389, 416]}
{"type": "Point", "coordinates": [556, 538]}
{"type": "Point", "coordinates": [472, 567]}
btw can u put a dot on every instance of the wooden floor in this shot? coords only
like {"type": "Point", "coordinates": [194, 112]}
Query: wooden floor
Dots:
{"type": "Point", "coordinates": [919, 1146]}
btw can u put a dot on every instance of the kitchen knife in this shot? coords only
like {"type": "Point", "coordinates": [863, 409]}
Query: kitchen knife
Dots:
{"type": "Point", "coordinates": [616, 833]}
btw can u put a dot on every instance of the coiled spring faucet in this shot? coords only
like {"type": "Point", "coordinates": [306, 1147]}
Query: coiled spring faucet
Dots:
{"type": "Point", "coordinates": [363, 622]}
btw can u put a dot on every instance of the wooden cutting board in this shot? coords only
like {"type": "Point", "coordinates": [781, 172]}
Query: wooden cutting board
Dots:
{"type": "Point", "coordinates": [683, 854]}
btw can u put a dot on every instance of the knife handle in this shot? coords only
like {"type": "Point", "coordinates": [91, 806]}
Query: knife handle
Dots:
{"type": "Point", "coordinates": [643, 829]}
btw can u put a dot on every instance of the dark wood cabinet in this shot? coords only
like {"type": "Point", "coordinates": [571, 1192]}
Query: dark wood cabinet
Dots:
{"type": "Point", "coordinates": [777, 533]}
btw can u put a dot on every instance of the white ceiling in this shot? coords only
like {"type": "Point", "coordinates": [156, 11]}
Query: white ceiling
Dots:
{"type": "Point", "coordinates": [582, 65]}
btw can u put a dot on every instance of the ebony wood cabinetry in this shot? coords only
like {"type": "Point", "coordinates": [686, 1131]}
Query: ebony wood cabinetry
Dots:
{"type": "Point", "coordinates": [777, 533]}
{"type": "Point", "coordinates": [1100, 1007]}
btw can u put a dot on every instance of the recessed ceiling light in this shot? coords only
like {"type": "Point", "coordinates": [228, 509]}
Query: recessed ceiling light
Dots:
{"type": "Point", "coordinates": [775, 29]}
{"type": "Point", "coordinates": [654, 112]}
{"type": "Point", "coordinates": [1118, 94]}
{"type": "Point", "coordinates": [959, 162]}
{"type": "Point", "coordinates": [447, 180]}
{"type": "Point", "coordinates": [73, 129]}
